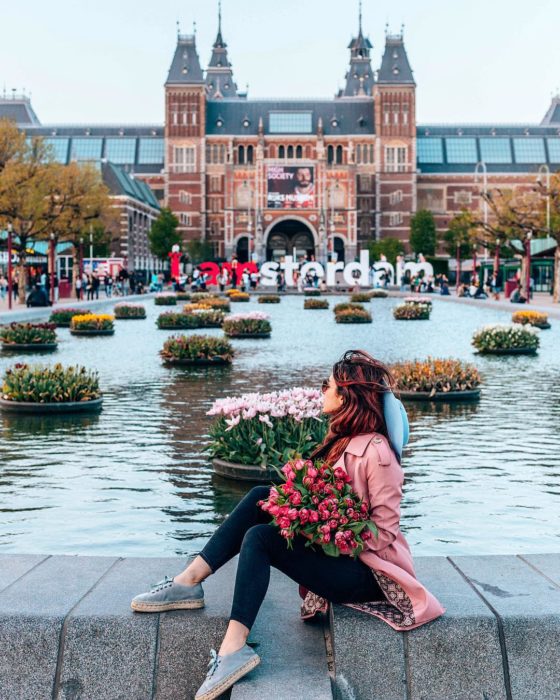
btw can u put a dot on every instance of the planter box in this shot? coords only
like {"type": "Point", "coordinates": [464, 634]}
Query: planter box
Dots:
{"type": "Point", "coordinates": [248, 335]}
{"type": "Point", "coordinates": [92, 332]}
{"type": "Point", "coordinates": [509, 351]}
{"type": "Point", "coordinates": [470, 395]}
{"type": "Point", "coordinates": [244, 472]}
{"type": "Point", "coordinates": [29, 347]}
{"type": "Point", "coordinates": [130, 318]}
{"type": "Point", "coordinates": [60, 407]}
{"type": "Point", "coordinates": [218, 361]}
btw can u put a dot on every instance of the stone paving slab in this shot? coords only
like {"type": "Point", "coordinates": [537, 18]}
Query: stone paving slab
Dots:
{"type": "Point", "coordinates": [547, 564]}
{"type": "Point", "coordinates": [293, 659]}
{"type": "Point", "coordinates": [32, 613]}
{"type": "Point", "coordinates": [109, 651]}
{"type": "Point", "coordinates": [528, 606]}
{"type": "Point", "coordinates": [13, 566]}
{"type": "Point", "coordinates": [437, 665]}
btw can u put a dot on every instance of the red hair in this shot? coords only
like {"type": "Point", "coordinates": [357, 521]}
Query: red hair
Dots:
{"type": "Point", "coordinates": [361, 381]}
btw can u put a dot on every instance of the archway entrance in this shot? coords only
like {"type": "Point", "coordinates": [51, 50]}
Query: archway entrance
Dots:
{"type": "Point", "coordinates": [290, 237]}
{"type": "Point", "coordinates": [339, 248]}
{"type": "Point", "coordinates": [242, 249]}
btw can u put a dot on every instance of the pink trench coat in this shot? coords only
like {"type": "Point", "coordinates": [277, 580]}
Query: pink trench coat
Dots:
{"type": "Point", "coordinates": [377, 477]}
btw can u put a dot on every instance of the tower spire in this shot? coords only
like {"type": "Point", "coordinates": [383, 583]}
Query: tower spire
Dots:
{"type": "Point", "coordinates": [360, 16]}
{"type": "Point", "coordinates": [359, 79]}
{"type": "Point", "coordinates": [219, 75]}
{"type": "Point", "coordinates": [219, 16]}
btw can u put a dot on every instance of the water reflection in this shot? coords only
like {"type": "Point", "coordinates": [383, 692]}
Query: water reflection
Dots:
{"type": "Point", "coordinates": [134, 480]}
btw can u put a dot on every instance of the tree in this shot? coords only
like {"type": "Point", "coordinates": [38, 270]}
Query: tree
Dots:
{"type": "Point", "coordinates": [423, 233]}
{"type": "Point", "coordinates": [389, 247]}
{"type": "Point", "coordinates": [458, 238]}
{"type": "Point", "coordinates": [164, 235]}
{"type": "Point", "coordinates": [199, 251]}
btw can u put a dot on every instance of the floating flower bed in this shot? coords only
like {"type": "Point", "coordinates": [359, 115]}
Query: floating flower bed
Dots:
{"type": "Point", "coordinates": [42, 389]}
{"type": "Point", "coordinates": [252, 325]}
{"type": "Point", "coordinates": [423, 301]}
{"type": "Point", "coordinates": [269, 299]}
{"type": "Point", "coordinates": [239, 296]}
{"type": "Point", "coordinates": [315, 304]}
{"type": "Point", "coordinates": [165, 299]}
{"type": "Point", "coordinates": [347, 305]}
{"type": "Point", "coordinates": [28, 336]}
{"type": "Point", "coordinates": [92, 324]}
{"type": "Point", "coordinates": [254, 434]}
{"type": "Point", "coordinates": [62, 317]}
{"type": "Point", "coordinates": [514, 339]}
{"type": "Point", "coordinates": [311, 292]}
{"type": "Point", "coordinates": [208, 303]}
{"type": "Point", "coordinates": [436, 379]}
{"type": "Point", "coordinates": [360, 297]}
{"type": "Point", "coordinates": [353, 316]}
{"type": "Point", "coordinates": [196, 350]}
{"type": "Point", "coordinates": [129, 311]}
{"type": "Point", "coordinates": [378, 294]}
{"type": "Point", "coordinates": [202, 318]}
{"type": "Point", "coordinates": [201, 296]}
{"type": "Point", "coordinates": [412, 312]}
{"type": "Point", "coordinates": [183, 296]}
{"type": "Point", "coordinates": [531, 318]}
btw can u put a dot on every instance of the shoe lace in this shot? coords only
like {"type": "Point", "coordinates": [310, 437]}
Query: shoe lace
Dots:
{"type": "Point", "coordinates": [160, 585]}
{"type": "Point", "coordinates": [214, 663]}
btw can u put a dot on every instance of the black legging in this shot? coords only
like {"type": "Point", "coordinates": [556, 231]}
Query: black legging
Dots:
{"type": "Point", "coordinates": [247, 531]}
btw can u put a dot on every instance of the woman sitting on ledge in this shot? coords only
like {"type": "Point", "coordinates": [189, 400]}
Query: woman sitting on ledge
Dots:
{"type": "Point", "coordinates": [367, 431]}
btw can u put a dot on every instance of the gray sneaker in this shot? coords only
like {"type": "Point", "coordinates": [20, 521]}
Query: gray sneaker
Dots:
{"type": "Point", "coordinates": [224, 671]}
{"type": "Point", "coordinates": [168, 595]}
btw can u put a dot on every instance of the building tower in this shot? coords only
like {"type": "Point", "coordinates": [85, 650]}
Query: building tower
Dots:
{"type": "Point", "coordinates": [185, 124]}
{"type": "Point", "coordinates": [219, 74]}
{"type": "Point", "coordinates": [395, 129]}
{"type": "Point", "coordinates": [359, 79]}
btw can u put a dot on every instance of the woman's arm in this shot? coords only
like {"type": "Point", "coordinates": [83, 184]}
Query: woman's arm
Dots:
{"type": "Point", "coordinates": [384, 484]}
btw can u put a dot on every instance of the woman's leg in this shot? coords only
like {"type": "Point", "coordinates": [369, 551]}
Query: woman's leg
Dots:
{"type": "Point", "coordinates": [338, 579]}
{"type": "Point", "coordinates": [225, 543]}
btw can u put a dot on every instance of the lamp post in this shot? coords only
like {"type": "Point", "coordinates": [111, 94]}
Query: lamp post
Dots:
{"type": "Point", "coordinates": [528, 271]}
{"type": "Point", "coordinates": [81, 261]}
{"type": "Point", "coordinates": [90, 249]}
{"type": "Point", "coordinates": [497, 257]}
{"type": "Point", "coordinates": [10, 272]}
{"type": "Point", "coordinates": [546, 170]}
{"type": "Point", "coordinates": [474, 262]}
{"type": "Point", "coordinates": [52, 264]}
{"type": "Point", "coordinates": [481, 166]}
{"type": "Point", "coordinates": [458, 275]}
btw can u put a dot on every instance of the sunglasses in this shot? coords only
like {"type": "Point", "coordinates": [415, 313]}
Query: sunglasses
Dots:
{"type": "Point", "coordinates": [325, 384]}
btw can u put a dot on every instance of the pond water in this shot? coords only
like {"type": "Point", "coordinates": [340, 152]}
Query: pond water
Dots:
{"type": "Point", "coordinates": [134, 481]}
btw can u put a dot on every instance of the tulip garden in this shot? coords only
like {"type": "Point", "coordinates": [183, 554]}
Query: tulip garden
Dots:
{"type": "Point", "coordinates": [201, 388]}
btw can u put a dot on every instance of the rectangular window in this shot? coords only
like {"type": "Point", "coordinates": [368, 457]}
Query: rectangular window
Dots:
{"type": "Point", "coordinates": [495, 150]}
{"type": "Point", "coordinates": [528, 150]}
{"type": "Point", "coordinates": [215, 184]}
{"type": "Point", "coordinates": [405, 115]}
{"type": "Point", "coordinates": [151, 151]}
{"type": "Point", "coordinates": [395, 197]}
{"type": "Point", "coordinates": [215, 204]}
{"type": "Point", "coordinates": [365, 183]}
{"type": "Point", "coordinates": [59, 149]}
{"type": "Point", "coordinates": [185, 197]}
{"type": "Point", "coordinates": [395, 219]}
{"type": "Point", "coordinates": [386, 115]}
{"type": "Point", "coordinates": [553, 150]}
{"type": "Point", "coordinates": [184, 159]}
{"type": "Point", "coordinates": [120, 151]}
{"type": "Point", "coordinates": [290, 122]}
{"type": "Point", "coordinates": [461, 150]}
{"type": "Point", "coordinates": [462, 197]}
{"type": "Point", "coordinates": [395, 159]}
{"type": "Point", "coordinates": [429, 150]}
{"type": "Point", "coordinates": [86, 149]}
{"type": "Point", "coordinates": [185, 218]}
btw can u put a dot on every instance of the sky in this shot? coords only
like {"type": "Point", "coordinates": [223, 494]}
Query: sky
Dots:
{"type": "Point", "coordinates": [106, 61]}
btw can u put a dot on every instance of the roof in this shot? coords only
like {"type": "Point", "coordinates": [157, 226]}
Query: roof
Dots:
{"type": "Point", "coordinates": [185, 67]}
{"type": "Point", "coordinates": [228, 117]}
{"type": "Point", "coordinates": [553, 114]}
{"type": "Point", "coordinates": [122, 183]}
{"type": "Point", "coordinates": [395, 68]}
{"type": "Point", "coordinates": [18, 109]}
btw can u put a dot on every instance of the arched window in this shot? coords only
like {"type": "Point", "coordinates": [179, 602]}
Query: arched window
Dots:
{"type": "Point", "coordinates": [241, 155]}
{"type": "Point", "coordinates": [309, 151]}
{"type": "Point", "coordinates": [281, 152]}
{"type": "Point", "coordinates": [290, 151]}
{"type": "Point", "coordinates": [222, 153]}
{"type": "Point", "coordinates": [250, 155]}
{"type": "Point", "coordinates": [330, 154]}
{"type": "Point", "coordinates": [299, 152]}
{"type": "Point", "coordinates": [339, 155]}
{"type": "Point", "coordinates": [272, 151]}
{"type": "Point", "coordinates": [371, 156]}
{"type": "Point", "coordinates": [359, 153]}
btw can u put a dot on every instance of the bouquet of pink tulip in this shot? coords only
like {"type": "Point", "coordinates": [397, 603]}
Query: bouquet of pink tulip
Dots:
{"type": "Point", "coordinates": [318, 502]}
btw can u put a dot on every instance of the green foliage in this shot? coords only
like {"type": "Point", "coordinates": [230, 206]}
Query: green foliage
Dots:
{"type": "Point", "coordinates": [345, 305]}
{"type": "Point", "coordinates": [423, 233]}
{"type": "Point", "coordinates": [246, 327]}
{"type": "Point", "coordinates": [360, 297]}
{"type": "Point", "coordinates": [62, 317]}
{"type": "Point", "coordinates": [43, 384]}
{"type": "Point", "coordinates": [378, 294]}
{"type": "Point", "coordinates": [28, 334]}
{"type": "Point", "coordinates": [268, 299]}
{"type": "Point", "coordinates": [500, 338]}
{"type": "Point", "coordinates": [202, 348]}
{"type": "Point", "coordinates": [459, 234]}
{"type": "Point", "coordinates": [309, 292]}
{"type": "Point", "coordinates": [204, 319]}
{"type": "Point", "coordinates": [353, 316]}
{"type": "Point", "coordinates": [389, 247]}
{"type": "Point", "coordinates": [129, 311]}
{"type": "Point", "coordinates": [412, 312]}
{"type": "Point", "coordinates": [165, 299]}
{"type": "Point", "coordinates": [164, 235]}
{"type": "Point", "coordinates": [435, 376]}
{"type": "Point", "coordinates": [199, 251]}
